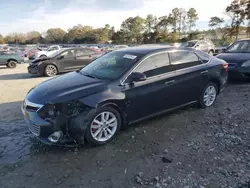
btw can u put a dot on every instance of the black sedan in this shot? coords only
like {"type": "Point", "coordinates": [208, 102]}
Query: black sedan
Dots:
{"type": "Point", "coordinates": [237, 56]}
{"type": "Point", "coordinates": [66, 60]}
{"type": "Point", "coordinates": [121, 88]}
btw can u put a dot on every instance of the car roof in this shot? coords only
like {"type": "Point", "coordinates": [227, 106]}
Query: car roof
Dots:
{"type": "Point", "coordinates": [151, 49]}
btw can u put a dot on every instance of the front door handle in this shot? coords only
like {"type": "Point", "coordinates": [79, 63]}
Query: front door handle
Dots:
{"type": "Point", "coordinates": [204, 72]}
{"type": "Point", "coordinates": [169, 82]}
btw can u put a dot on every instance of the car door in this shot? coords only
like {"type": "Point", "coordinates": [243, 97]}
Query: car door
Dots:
{"type": "Point", "coordinates": [156, 93]}
{"type": "Point", "coordinates": [66, 61]}
{"type": "Point", "coordinates": [191, 75]}
{"type": "Point", "coordinates": [3, 58]}
{"type": "Point", "coordinates": [84, 56]}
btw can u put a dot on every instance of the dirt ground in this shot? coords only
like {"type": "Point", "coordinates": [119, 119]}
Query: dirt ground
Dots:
{"type": "Point", "coordinates": [187, 148]}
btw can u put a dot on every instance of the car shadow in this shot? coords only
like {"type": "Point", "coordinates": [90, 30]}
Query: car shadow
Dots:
{"type": "Point", "coordinates": [18, 76]}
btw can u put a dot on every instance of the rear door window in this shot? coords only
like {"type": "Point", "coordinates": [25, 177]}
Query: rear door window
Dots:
{"type": "Point", "coordinates": [184, 59]}
{"type": "Point", "coordinates": [155, 65]}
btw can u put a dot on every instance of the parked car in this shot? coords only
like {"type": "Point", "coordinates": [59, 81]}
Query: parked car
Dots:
{"type": "Point", "coordinates": [221, 49]}
{"type": "Point", "coordinates": [65, 60]}
{"type": "Point", "coordinates": [204, 45]}
{"type": "Point", "coordinates": [237, 55]}
{"type": "Point", "coordinates": [10, 59]}
{"type": "Point", "coordinates": [48, 52]}
{"type": "Point", "coordinates": [121, 88]}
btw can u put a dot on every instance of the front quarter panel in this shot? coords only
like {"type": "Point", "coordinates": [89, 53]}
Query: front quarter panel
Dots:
{"type": "Point", "coordinates": [110, 96]}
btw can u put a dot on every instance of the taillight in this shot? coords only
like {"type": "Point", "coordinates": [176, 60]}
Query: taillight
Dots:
{"type": "Point", "coordinates": [225, 66]}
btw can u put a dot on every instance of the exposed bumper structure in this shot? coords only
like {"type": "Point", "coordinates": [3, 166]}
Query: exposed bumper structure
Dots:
{"type": "Point", "coordinates": [42, 129]}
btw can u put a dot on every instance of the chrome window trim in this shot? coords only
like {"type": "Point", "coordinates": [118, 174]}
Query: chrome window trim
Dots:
{"type": "Point", "coordinates": [172, 51]}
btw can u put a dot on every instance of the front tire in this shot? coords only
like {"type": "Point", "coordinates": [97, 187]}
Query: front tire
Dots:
{"type": "Point", "coordinates": [208, 96]}
{"type": "Point", "coordinates": [11, 64]}
{"type": "Point", "coordinates": [103, 126]}
{"type": "Point", "coordinates": [50, 70]}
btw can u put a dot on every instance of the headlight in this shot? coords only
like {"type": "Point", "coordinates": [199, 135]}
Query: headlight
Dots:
{"type": "Point", "coordinates": [246, 64]}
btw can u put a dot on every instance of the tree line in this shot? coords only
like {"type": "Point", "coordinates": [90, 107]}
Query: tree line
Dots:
{"type": "Point", "coordinates": [168, 28]}
{"type": "Point", "coordinates": [239, 20]}
{"type": "Point", "coordinates": [176, 26]}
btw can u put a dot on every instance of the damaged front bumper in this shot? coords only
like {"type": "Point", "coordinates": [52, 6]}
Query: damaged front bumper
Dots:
{"type": "Point", "coordinates": [48, 132]}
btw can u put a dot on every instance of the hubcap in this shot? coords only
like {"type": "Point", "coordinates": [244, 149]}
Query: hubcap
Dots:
{"type": "Point", "coordinates": [104, 126]}
{"type": "Point", "coordinates": [51, 70]}
{"type": "Point", "coordinates": [209, 96]}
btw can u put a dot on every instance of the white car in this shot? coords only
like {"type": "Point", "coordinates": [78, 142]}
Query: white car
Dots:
{"type": "Point", "coordinates": [48, 52]}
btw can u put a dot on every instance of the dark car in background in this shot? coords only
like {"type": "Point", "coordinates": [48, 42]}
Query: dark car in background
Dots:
{"type": "Point", "coordinates": [65, 60]}
{"type": "Point", "coordinates": [204, 45]}
{"type": "Point", "coordinates": [237, 55]}
{"type": "Point", "coordinates": [121, 88]}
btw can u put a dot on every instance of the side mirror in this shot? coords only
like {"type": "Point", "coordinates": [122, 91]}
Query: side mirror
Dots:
{"type": "Point", "coordinates": [136, 77]}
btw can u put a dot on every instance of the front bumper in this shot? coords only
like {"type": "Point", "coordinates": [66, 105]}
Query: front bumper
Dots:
{"type": "Point", "coordinates": [32, 69]}
{"type": "Point", "coordinates": [40, 128]}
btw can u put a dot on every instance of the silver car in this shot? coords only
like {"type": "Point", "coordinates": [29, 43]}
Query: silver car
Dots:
{"type": "Point", "coordinates": [204, 45]}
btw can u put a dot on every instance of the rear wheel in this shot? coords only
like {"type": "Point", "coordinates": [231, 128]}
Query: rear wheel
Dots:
{"type": "Point", "coordinates": [11, 64]}
{"type": "Point", "coordinates": [211, 52]}
{"type": "Point", "coordinates": [50, 70]}
{"type": "Point", "coordinates": [103, 126]}
{"type": "Point", "coordinates": [208, 95]}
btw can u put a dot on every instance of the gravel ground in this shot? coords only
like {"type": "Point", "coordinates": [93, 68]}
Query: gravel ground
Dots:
{"type": "Point", "coordinates": [187, 148]}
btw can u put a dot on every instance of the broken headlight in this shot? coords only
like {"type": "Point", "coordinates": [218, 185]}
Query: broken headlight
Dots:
{"type": "Point", "coordinates": [67, 109]}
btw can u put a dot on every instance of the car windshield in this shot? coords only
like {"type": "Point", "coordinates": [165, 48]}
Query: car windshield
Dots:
{"type": "Point", "coordinates": [111, 66]}
{"type": "Point", "coordinates": [55, 54]}
{"type": "Point", "coordinates": [239, 47]}
{"type": "Point", "coordinates": [190, 44]}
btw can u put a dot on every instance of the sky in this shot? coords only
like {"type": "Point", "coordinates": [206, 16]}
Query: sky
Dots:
{"type": "Point", "coordinates": [39, 15]}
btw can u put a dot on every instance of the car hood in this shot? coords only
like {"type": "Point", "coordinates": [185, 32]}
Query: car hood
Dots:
{"type": "Point", "coordinates": [234, 57]}
{"type": "Point", "coordinates": [65, 88]}
{"type": "Point", "coordinates": [36, 61]}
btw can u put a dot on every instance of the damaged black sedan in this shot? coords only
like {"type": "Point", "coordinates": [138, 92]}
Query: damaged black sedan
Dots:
{"type": "Point", "coordinates": [121, 88]}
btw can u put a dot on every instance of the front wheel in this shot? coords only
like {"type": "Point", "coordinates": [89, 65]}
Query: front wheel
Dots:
{"type": "Point", "coordinates": [103, 126]}
{"type": "Point", "coordinates": [50, 70]}
{"type": "Point", "coordinates": [208, 96]}
{"type": "Point", "coordinates": [11, 64]}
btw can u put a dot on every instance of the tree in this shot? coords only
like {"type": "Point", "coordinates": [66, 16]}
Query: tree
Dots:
{"type": "Point", "coordinates": [1, 39]}
{"type": "Point", "coordinates": [236, 12]}
{"type": "Point", "coordinates": [216, 24]}
{"type": "Point", "coordinates": [174, 17]}
{"type": "Point", "coordinates": [150, 23]}
{"type": "Point", "coordinates": [133, 28]}
{"type": "Point", "coordinates": [55, 35]}
{"type": "Point", "coordinates": [33, 37]}
{"type": "Point", "coordinates": [192, 17]}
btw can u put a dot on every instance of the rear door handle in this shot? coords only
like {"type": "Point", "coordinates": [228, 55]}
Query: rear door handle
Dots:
{"type": "Point", "coordinates": [204, 72]}
{"type": "Point", "coordinates": [169, 82]}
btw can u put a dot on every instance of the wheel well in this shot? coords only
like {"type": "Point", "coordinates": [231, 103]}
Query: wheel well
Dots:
{"type": "Point", "coordinates": [11, 60]}
{"type": "Point", "coordinates": [118, 110]}
{"type": "Point", "coordinates": [217, 83]}
{"type": "Point", "coordinates": [42, 55]}
{"type": "Point", "coordinates": [211, 50]}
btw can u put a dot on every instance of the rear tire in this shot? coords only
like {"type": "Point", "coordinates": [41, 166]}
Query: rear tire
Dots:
{"type": "Point", "coordinates": [107, 131]}
{"type": "Point", "coordinates": [208, 96]}
{"type": "Point", "coordinates": [50, 70]}
{"type": "Point", "coordinates": [211, 53]}
{"type": "Point", "coordinates": [11, 64]}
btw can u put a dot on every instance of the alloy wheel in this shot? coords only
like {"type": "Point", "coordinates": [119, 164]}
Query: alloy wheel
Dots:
{"type": "Point", "coordinates": [104, 126]}
{"type": "Point", "coordinates": [51, 70]}
{"type": "Point", "coordinates": [209, 95]}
